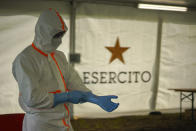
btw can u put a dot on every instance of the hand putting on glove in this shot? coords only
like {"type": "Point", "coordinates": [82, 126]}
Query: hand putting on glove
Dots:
{"type": "Point", "coordinates": [103, 101]}
{"type": "Point", "coordinates": [76, 97]}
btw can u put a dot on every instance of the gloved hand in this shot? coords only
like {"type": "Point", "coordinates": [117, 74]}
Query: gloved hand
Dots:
{"type": "Point", "coordinates": [103, 101]}
{"type": "Point", "coordinates": [72, 96]}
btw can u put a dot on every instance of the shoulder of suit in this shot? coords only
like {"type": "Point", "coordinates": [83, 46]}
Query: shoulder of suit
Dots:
{"type": "Point", "coordinates": [61, 54]}
{"type": "Point", "coordinates": [58, 52]}
{"type": "Point", "coordinates": [28, 54]}
{"type": "Point", "coordinates": [24, 53]}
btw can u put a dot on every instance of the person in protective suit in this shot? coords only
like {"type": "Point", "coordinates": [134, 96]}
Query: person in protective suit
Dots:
{"type": "Point", "coordinates": [47, 83]}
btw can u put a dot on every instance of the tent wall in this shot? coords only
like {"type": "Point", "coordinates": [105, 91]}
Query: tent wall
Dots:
{"type": "Point", "coordinates": [178, 62]}
{"type": "Point", "coordinates": [98, 26]}
{"type": "Point", "coordinates": [139, 30]}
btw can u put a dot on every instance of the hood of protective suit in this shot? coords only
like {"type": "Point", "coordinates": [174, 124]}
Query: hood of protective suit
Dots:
{"type": "Point", "coordinates": [47, 30]}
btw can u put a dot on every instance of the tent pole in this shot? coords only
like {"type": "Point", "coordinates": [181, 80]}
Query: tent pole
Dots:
{"type": "Point", "coordinates": [72, 28]}
{"type": "Point", "coordinates": [72, 40]}
{"type": "Point", "coordinates": [156, 70]}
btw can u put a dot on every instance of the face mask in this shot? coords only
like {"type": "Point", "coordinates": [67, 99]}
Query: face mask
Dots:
{"type": "Point", "coordinates": [54, 42]}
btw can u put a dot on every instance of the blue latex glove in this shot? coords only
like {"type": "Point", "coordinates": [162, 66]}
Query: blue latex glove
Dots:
{"type": "Point", "coordinates": [103, 101]}
{"type": "Point", "coordinates": [72, 96]}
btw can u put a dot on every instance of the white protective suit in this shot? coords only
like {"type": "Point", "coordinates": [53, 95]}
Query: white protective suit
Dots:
{"type": "Point", "coordinates": [40, 71]}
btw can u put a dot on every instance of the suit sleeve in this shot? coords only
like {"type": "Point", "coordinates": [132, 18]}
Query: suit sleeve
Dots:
{"type": "Point", "coordinates": [73, 80]}
{"type": "Point", "coordinates": [27, 76]}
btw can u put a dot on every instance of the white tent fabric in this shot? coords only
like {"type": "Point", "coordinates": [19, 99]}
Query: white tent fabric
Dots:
{"type": "Point", "coordinates": [98, 27]}
{"type": "Point", "coordinates": [178, 60]}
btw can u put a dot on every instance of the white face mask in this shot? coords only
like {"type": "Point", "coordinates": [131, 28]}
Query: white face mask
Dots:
{"type": "Point", "coordinates": [54, 42]}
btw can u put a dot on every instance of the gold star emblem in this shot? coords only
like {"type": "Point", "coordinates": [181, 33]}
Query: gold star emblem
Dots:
{"type": "Point", "coordinates": [117, 51]}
